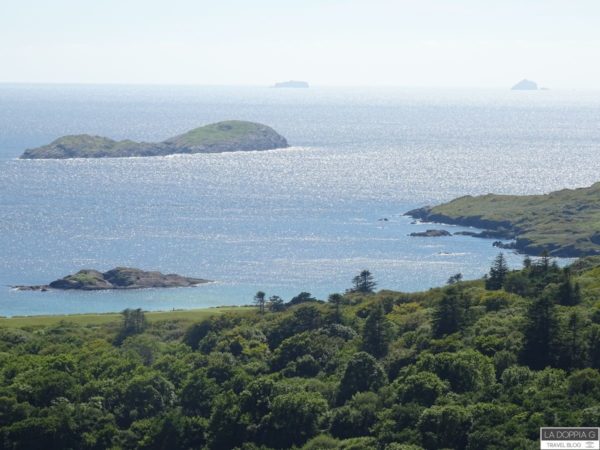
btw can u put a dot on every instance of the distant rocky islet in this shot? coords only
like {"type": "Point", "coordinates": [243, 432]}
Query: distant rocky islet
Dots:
{"type": "Point", "coordinates": [525, 85]}
{"type": "Point", "coordinates": [117, 278]}
{"type": "Point", "coordinates": [291, 84]}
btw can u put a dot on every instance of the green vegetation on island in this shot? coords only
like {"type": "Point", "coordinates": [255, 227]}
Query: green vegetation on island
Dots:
{"type": "Point", "coordinates": [563, 223]}
{"type": "Point", "coordinates": [472, 365]}
{"type": "Point", "coordinates": [227, 136]}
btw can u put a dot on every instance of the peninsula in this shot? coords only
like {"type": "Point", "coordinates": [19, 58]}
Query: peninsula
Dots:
{"type": "Point", "coordinates": [118, 278]}
{"type": "Point", "coordinates": [228, 136]}
{"type": "Point", "coordinates": [565, 223]}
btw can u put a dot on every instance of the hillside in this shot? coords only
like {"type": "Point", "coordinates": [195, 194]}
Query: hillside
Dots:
{"type": "Point", "coordinates": [228, 136]}
{"type": "Point", "coordinates": [565, 223]}
{"type": "Point", "coordinates": [458, 367]}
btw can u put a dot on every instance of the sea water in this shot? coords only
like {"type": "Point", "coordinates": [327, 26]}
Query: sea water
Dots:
{"type": "Point", "coordinates": [306, 218]}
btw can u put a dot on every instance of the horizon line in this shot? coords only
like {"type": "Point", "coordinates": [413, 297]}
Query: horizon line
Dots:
{"type": "Point", "coordinates": [271, 86]}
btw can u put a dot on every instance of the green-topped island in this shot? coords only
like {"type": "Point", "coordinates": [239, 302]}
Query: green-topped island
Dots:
{"type": "Point", "coordinates": [227, 136]}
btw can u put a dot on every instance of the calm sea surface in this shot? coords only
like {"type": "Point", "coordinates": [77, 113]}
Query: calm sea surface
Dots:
{"type": "Point", "coordinates": [282, 221]}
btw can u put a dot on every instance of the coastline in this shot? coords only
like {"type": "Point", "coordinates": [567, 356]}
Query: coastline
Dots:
{"type": "Point", "coordinates": [499, 229]}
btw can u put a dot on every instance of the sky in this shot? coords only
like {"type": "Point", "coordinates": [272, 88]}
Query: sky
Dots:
{"type": "Point", "coordinates": [422, 43]}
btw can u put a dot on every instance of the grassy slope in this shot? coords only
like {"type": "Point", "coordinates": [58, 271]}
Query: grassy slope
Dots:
{"type": "Point", "coordinates": [216, 132]}
{"type": "Point", "coordinates": [561, 220]}
{"type": "Point", "coordinates": [192, 315]}
{"type": "Point", "coordinates": [228, 132]}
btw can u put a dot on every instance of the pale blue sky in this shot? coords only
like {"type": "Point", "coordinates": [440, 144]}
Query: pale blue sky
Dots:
{"type": "Point", "coordinates": [326, 42]}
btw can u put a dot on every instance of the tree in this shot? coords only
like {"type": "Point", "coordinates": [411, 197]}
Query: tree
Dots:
{"type": "Point", "coordinates": [276, 303]}
{"type": "Point", "coordinates": [497, 274]}
{"type": "Point", "coordinates": [445, 427]}
{"type": "Point", "coordinates": [573, 345]}
{"type": "Point", "coordinates": [363, 373]}
{"type": "Point", "coordinates": [134, 322]}
{"type": "Point", "coordinates": [363, 282]}
{"type": "Point", "coordinates": [569, 293]}
{"type": "Point", "coordinates": [302, 297]}
{"type": "Point", "coordinates": [456, 278]}
{"type": "Point", "coordinates": [336, 301]}
{"type": "Point", "coordinates": [226, 426]}
{"type": "Point", "coordinates": [449, 313]}
{"type": "Point", "coordinates": [540, 334]}
{"type": "Point", "coordinates": [376, 334]}
{"type": "Point", "coordinates": [356, 417]}
{"type": "Point", "coordinates": [594, 346]}
{"type": "Point", "coordinates": [545, 261]}
{"type": "Point", "coordinates": [146, 395]}
{"type": "Point", "coordinates": [260, 300]}
{"type": "Point", "coordinates": [465, 371]}
{"type": "Point", "coordinates": [423, 388]}
{"type": "Point", "coordinates": [294, 418]}
{"type": "Point", "coordinates": [197, 394]}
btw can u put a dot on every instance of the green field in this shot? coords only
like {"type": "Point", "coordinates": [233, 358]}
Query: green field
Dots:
{"type": "Point", "coordinates": [191, 315]}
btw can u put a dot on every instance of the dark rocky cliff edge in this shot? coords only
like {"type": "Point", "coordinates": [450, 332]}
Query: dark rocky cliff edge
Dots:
{"type": "Point", "coordinates": [228, 136]}
{"type": "Point", "coordinates": [118, 278]}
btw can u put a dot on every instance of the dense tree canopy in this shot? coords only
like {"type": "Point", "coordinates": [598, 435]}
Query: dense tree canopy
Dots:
{"type": "Point", "coordinates": [467, 366]}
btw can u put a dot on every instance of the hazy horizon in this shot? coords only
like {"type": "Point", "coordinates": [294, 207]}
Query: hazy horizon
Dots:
{"type": "Point", "coordinates": [327, 43]}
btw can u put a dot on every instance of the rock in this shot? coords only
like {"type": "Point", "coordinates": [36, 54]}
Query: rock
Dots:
{"type": "Point", "coordinates": [506, 246]}
{"type": "Point", "coordinates": [500, 233]}
{"type": "Point", "coordinates": [43, 288]}
{"type": "Point", "coordinates": [291, 84]}
{"type": "Point", "coordinates": [431, 233]}
{"type": "Point", "coordinates": [118, 278]}
{"type": "Point", "coordinates": [525, 85]}
{"type": "Point", "coordinates": [228, 136]}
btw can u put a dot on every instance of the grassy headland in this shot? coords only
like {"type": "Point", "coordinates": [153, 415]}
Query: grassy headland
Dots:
{"type": "Point", "coordinates": [565, 223]}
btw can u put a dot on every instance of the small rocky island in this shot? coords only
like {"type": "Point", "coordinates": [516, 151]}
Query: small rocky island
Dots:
{"type": "Point", "coordinates": [525, 85]}
{"type": "Point", "coordinates": [228, 136]}
{"type": "Point", "coordinates": [431, 233]}
{"type": "Point", "coordinates": [291, 84]}
{"type": "Point", "coordinates": [118, 278]}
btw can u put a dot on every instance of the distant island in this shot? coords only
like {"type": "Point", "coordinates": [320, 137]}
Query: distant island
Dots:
{"type": "Point", "coordinates": [227, 136]}
{"type": "Point", "coordinates": [565, 223]}
{"type": "Point", "coordinates": [118, 278]}
{"type": "Point", "coordinates": [291, 84]}
{"type": "Point", "coordinates": [525, 85]}
{"type": "Point", "coordinates": [431, 233]}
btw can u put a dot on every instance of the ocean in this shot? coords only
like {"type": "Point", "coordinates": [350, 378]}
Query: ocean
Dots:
{"type": "Point", "coordinates": [307, 218]}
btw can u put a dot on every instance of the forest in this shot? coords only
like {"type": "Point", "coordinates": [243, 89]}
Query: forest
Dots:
{"type": "Point", "coordinates": [479, 364]}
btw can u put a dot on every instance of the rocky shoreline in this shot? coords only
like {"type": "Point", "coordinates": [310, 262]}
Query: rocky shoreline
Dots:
{"type": "Point", "coordinates": [117, 278]}
{"type": "Point", "coordinates": [500, 229]}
